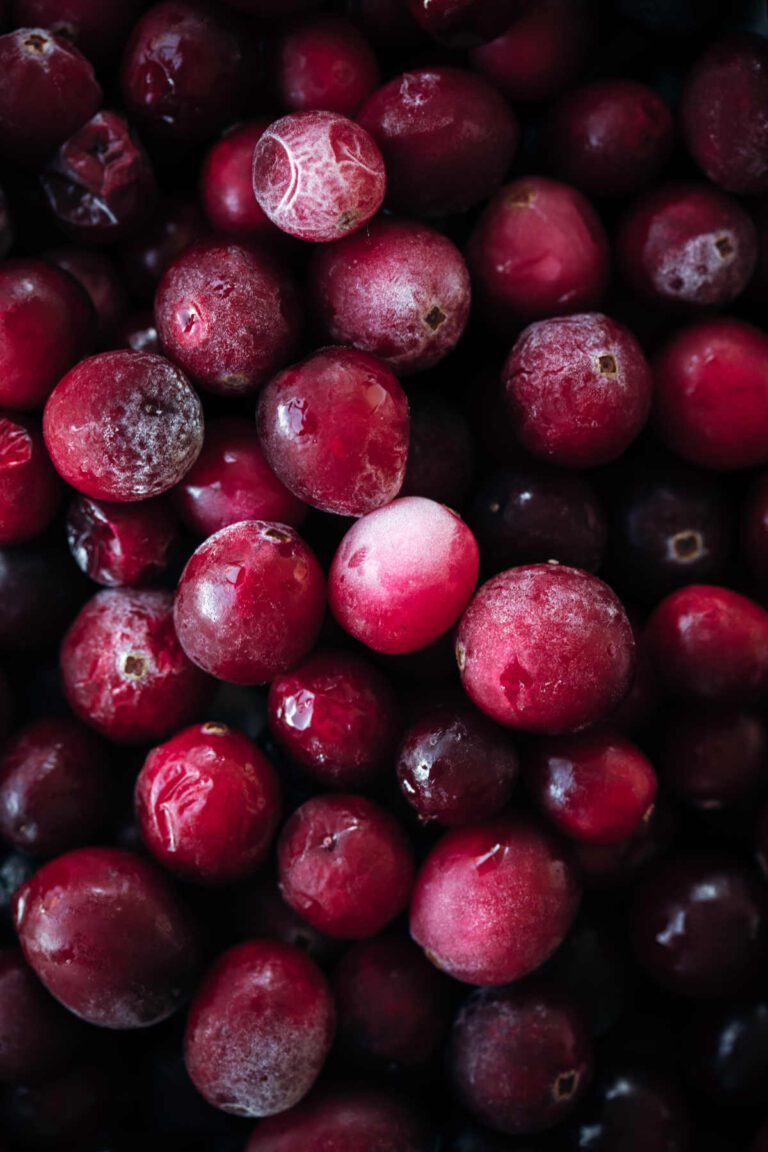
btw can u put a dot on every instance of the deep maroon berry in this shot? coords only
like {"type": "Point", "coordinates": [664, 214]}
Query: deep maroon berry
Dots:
{"type": "Point", "coordinates": [398, 290]}
{"type": "Point", "coordinates": [176, 224]}
{"type": "Point", "coordinates": [124, 671]}
{"type": "Point", "coordinates": [727, 1054]}
{"type": "Point", "coordinates": [460, 23]}
{"type": "Point", "coordinates": [258, 910]}
{"type": "Point", "coordinates": [641, 704]}
{"type": "Point", "coordinates": [227, 315]}
{"type": "Point", "coordinates": [389, 23]}
{"type": "Point", "coordinates": [590, 967]}
{"type": "Point", "coordinates": [108, 936]}
{"type": "Point", "coordinates": [492, 902]}
{"type": "Point", "coordinates": [98, 27]}
{"type": "Point", "coordinates": [38, 1039]}
{"type": "Point", "coordinates": [538, 250]}
{"type": "Point", "coordinates": [250, 602]}
{"type": "Point", "coordinates": [40, 592]}
{"type": "Point", "coordinates": [138, 333]}
{"type": "Point", "coordinates": [30, 490]}
{"type": "Point", "coordinates": [122, 544]}
{"type": "Point", "coordinates": [98, 276]}
{"type": "Point", "coordinates": [71, 1110]}
{"type": "Point", "coordinates": [345, 1120]}
{"type": "Point", "coordinates": [226, 184]}
{"type": "Point", "coordinates": [608, 866]}
{"type": "Point", "coordinates": [324, 63]}
{"type": "Point", "coordinates": [711, 759]}
{"type": "Point", "coordinates": [336, 715]}
{"type": "Point", "coordinates": [631, 1109]}
{"type": "Point", "coordinates": [455, 767]}
{"type": "Point", "coordinates": [447, 138]}
{"type": "Point", "coordinates": [440, 451]}
{"type": "Point", "coordinates": [754, 528]}
{"type": "Point", "coordinates": [259, 1029]}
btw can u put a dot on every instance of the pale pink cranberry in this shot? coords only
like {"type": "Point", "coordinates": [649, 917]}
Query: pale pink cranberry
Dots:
{"type": "Point", "coordinates": [318, 176]}
{"type": "Point", "coordinates": [323, 63]}
{"type": "Point", "coordinates": [403, 575]}
{"type": "Point", "coordinates": [226, 184]}
{"type": "Point", "coordinates": [30, 490]}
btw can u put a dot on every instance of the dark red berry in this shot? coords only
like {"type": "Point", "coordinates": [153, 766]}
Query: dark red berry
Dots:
{"type": "Point", "coordinates": [754, 528]}
{"type": "Point", "coordinates": [38, 1039]}
{"type": "Point", "coordinates": [122, 544]}
{"type": "Point", "coordinates": [345, 1120]}
{"type": "Point", "coordinates": [323, 63]}
{"type": "Point", "coordinates": [632, 1108]}
{"type": "Point", "coordinates": [176, 224]}
{"type": "Point", "coordinates": [712, 759]}
{"type": "Point", "coordinates": [97, 27]}
{"type": "Point", "coordinates": [226, 184]}
{"type": "Point", "coordinates": [30, 490]}
{"type": "Point", "coordinates": [99, 277]}
{"type": "Point", "coordinates": [459, 23]}
{"type": "Point", "coordinates": [40, 592]}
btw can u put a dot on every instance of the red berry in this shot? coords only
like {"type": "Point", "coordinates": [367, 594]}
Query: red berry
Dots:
{"type": "Point", "coordinates": [226, 184]}
{"type": "Point", "coordinates": [98, 276]}
{"type": "Point", "coordinates": [713, 759]}
{"type": "Point", "coordinates": [323, 63]}
{"type": "Point", "coordinates": [30, 490]}
{"type": "Point", "coordinates": [97, 27]}
{"type": "Point", "coordinates": [121, 544]}
{"type": "Point", "coordinates": [176, 224]}
{"type": "Point", "coordinates": [459, 23]}
{"type": "Point", "coordinates": [38, 1039]}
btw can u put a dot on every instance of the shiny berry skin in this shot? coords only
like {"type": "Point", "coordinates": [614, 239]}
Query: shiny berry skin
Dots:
{"type": "Point", "coordinates": [250, 602]}
{"type": "Point", "coordinates": [710, 643]}
{"type": "Point", "coordinates": [521, 1058]}
{"type": "Point", "coordinates": [121, 545]}
{"type": "Point", "coordinates": [98, 276]}
{"type": "Point", "coordinates": [727, 1052]}
{"type": "Point", "coordinates": [38, 1039]}
{"type": "Point", "coordinates": [227, 315]}
{"type": "Point", "coordinates": [447, 137]}
{"type": "Point", "coordinates": [106, 933]}
{"type": "Point", "coordinates": [711, 394]}
{"type": "Point", "coordinates": [56, 787]}
{"type": "Point", "coordinates": [545, 648]}
{"type": "Point", "coordinates": [398, 290]}
{"type": "Point", "coordinates": [493, 901]}
{"type": "Point", "coordinates": [123, 670]}
{"type": "Point", "coordinates": [176, 224]}
{"type": "Point", "coordinates": [722, 110]}
{"type": "Point", "coordinates": [345, 865]}
{"type": "Point", "coordinates": [30, 490]}
{"type": "Point", "coordinates": [714, 758]}
{"type": "Point", "coordinates": [208, 804]}
{"type": "Point", "coordinates": [578, 389]}
{"type": "Point", "coordinates": [596, 787]}
{"type": "Point", "coordinates": [403, 575]}
{"type": "Point", "coordinates": [631, 1108]}
{"type": "Point", "coordinates": [336, 715]}
{"type": "Point", "coordinates": [441, 451]}
{"type": "Point", "coordinates": [318, 176]}
{"type": "Point", "coordinates": [334, 429]}
{"type": "Point", "coordinates": [324, 63]}
{"type": "Point", "coordinates": [610, 137]}
{"type": "Point", "coordinates": [460, 23]}
{"type": "Point", "coordinates": [47, 91]}
{"type": "Point", "coordinates": [259, 1029]}
{"type": "Point", "coordinates": [97, 27]}
{"type": "Point", "coordinates": [40, 592]}
{"type": "Point", "coordinates": [226, 184]}
{"type": "Point", "coordinates": [455, 767]}
{"type": "Point", "coordinates": [699, 926]}
{"type": "Point", "coordinates": [538, 250]}
{"type": "Point", "coordinates": [46, 324]}
{"type": "Point", "coordinates": [345, 1120]}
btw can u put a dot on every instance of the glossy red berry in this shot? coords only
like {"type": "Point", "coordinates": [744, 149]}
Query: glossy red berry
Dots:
{"type": "Point", "coordinates": [345, 1120]}
{"type": "Point", "coordinates": [324, 63]}
{"type": "Point", "coordinates": [38, 1039]}
{"type": "Point", "coordinates": [226, 184]}
{"type": "Point", "coordinates": [711, 759]}
{"type": "Point", "coordinates": [121, 545]}
{"type": "Point", "coordinates": [633, 1107]}
{"type": "Point", "coordinates": [30, 490]}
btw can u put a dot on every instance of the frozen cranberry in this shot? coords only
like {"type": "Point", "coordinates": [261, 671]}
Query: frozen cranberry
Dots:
{"type": "Point", "coordinates": [632, 1109]}
{"type": "Point", "coordinates": [250, 602]}
{"type": "Point", "coordinates": [46, 324]}
{"type": "Point", "coordinates": [98, 276]}
{"type": "Point", "coordinates": [493, 901]}
{"type": "Point", "coordinates": [97, 27]}
{"type": "Point", "coordinates": [123, 426]}
{"type": "Point", "coordinates": [711, 394]}
{"type": "Point", "coordinates": [447, 138]}
{"type": "Point", "coordinates": [345, 1120]}
{"type": "Point", "coordinates": [121, 544]}
{"type": "Point", "coordinates": [528, 515]}
{"type": "Point", "coordinates": [259, 1029]}
{"type": "Point", "coordinates": [318, 176]}
{"type": "Point", "coordinates": [99, 185]}
{"type": "Point", "coordinates": [389, 23]}
{"type": "Point", "coordinates": [108, 936]}
{"type": "Point", "coordinates": [176, 224]}
{"type": "Point", "coordinates": [334, 429]}
{"type": "Point", "coordinates": [325, 64]}
{"type": "Point", "coordinates": [727, 1053]}
{"type": "Point", "coordinates": [55, 787]}
{"type": "Point", "coordinates": [403, 575]}
{"type": "Point", "coordinates": [537, 250]}
{"type": "Point", "coordinates": [545, 648]}
{"type": "Point", "coordinates": [47, 91]}
{"type": "Point", "coordinates": [398, 290]}
{"type": "Point", "coordinates": [610, 137]}
{"type": "Point", "coordinates": [40, 591]}
{"type": "Point", "coordinates": [208, 804]}
{"type": "Point", "coordinates": [227, 315]}
{"type": "Point", "coordinates": [463, 22]}
{"type": "Point", "coordinates": [30, 490]}
{"type": "Point", "coordinates": [456, 767]}
{"type": "Point", "coordinates": [138, 332]}
{"type": "Point", "coordinates": [723, 119]}
{"type": "Point", "coordinates": [185, 69]}
{"type": "Point", "coordinates": [710, 643]}
{"type": "Point", "coordinates": [337, 716]}
{"type": "Point", "coordinates": [38, 1039]}
{"type": "Point", "coordinates": [123, 669]}
{"type": "Point", "coordinates": [440, 451]}
{"type": "Point", "coordinates": [711, 759]}
{"type": "Point", "coordinates": [578, 389]}
{"type": "Point", "coordinates": [520, 1058]}
{"type": "Point", "coordinates": [226, 184]}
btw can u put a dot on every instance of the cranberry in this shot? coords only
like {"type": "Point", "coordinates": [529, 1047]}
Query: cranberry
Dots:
{"type": "Point", "coordinates": [398, 290]}
{"type": "Point", "coordinates": [106, 933]}
{"type": "Point", "coordinates": [208, 804]}
{"type": "Point", "coordinates": [632, 1109]}
{"type": "Point", "coordinates": [334, 428]}
{"type": "Point", "coordinates": [722, 113]}
{"type": "Point", "coordinates": [56, 792]}
{"type": "Point", "coordinates": [640, 706]}
{"type": "Point", "coordinates": [40, 591]}
{"type": "Point", "coordinates": [226, 184]}
{"type": "Point", "coordinates": [710, 643]}
{"type": "Point", "coordinates": [139, 334]}
{"type": "Point", "coordinates": [492, 902]}
{"type": "Point", "coordinates": [336, 715]}
{"type": "Point", "coordinates": [345, 1120]}
{"type": "Point", "coordinates": [227, 316]}
{"type": "Point", "coordinates": [456, 767]}
{"type": "Point", "coordinates": [30, 490]}
{"type": "Point", "coordinates": [121, 544]}
{"type": "Point", "coordinates": [699, 926]}
{"type": "Point", "coordinates": [259, 1029]}
{"type": "Point", "coordinates": [538, 250]}
{"type": "Point", "coordinates": [47, 91]}
{"type": "Point", "coordinates": [711, 759]}
{"type": "Point", "coordinates": [97, 275]}
{"type": "Point", "coordinates": [447, 138]}
{"type": "Point", "coordinates": [185, 69]}
{"type": "Point", "coordinates": [606, 866]}
{"type": "Point", "coordinates": [318, 176]}
{"type": "Point", "coordinates": [589, 967]}
{"type": "Point", "coordinates": [69, 1111]}
{"type": "Point", "coordinates": [324, 64]}
{"type": "Point", "coordinates": [46, 324]}
{"type": "Point", "coordinates": [610, 137]}
{"type": "Point", "coordinates": [97, 27]}
{"type": "Point", "coordinates": [440, 452]}
{"type": "Point", "coordinates": [545, 648]}
{"type": "Point", "coordinates": [123, 669]}
{"type": "Point", "coordinates": [463, 22]}
{"type": "Point", "coordinates": [38, 1039]}
{"type": "Point", "coordinates": [176, 224]}
{"type": "Point", "coordinates": [728, 1053]}
{"type": "Point", "coordinates": [403, 575]}
{"type": "Point", "coordinates": [123, 426]}
{"type": "Point", "coordinates": [389, 23]}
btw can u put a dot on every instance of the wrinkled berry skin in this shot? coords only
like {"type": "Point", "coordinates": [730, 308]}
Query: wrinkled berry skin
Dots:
{"type": "Point", "coordinates": [345, 1120]}
{"type": "Point", "coordinates": [30, 490]}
